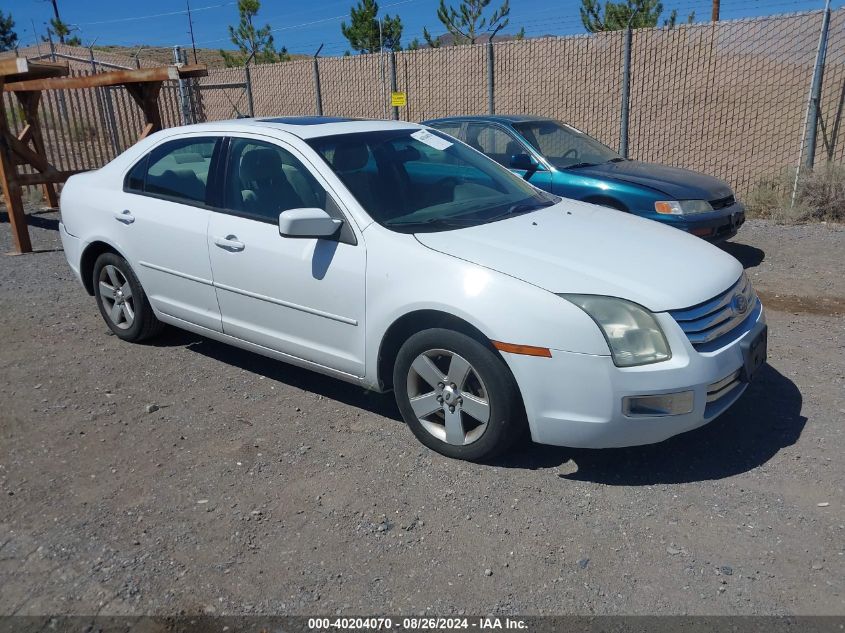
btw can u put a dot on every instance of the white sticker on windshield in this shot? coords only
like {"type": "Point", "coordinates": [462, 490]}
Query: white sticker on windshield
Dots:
{"type": "Point", "coordinates": [424, 136]}
{"type": "Point", "coordinates": [573, 128]}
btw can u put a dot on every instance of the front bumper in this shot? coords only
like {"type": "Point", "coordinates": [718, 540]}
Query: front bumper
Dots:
{"type": "Point", "coordinates": [576, 399]}
{"type": "Point", "coordinates": [715, 227]}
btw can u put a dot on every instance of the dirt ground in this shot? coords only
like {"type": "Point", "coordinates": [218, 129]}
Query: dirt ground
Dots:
{"type": "Point", "coordinates": [186, 476]}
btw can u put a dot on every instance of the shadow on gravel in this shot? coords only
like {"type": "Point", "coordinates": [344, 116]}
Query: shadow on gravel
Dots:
{"type": "Point", "coordinates": [34, 220]}
{"type": "Point", "coordinates": [312, 382]}
{"type": "Point", "coordinates": [748, 256]}
{"type": "Point", "coordinates": [766, 419]}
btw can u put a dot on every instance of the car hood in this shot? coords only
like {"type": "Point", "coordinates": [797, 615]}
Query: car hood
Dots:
{"type": "Point", "coordinates": [581, 248]}
{"type": "Point", "coordinates": [676, 183]}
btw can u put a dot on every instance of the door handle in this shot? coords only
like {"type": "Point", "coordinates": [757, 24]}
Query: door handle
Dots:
{"type": "Point", "coordinates": [230, 243]}
{"type": "Point", "coordinates": [125, 217]}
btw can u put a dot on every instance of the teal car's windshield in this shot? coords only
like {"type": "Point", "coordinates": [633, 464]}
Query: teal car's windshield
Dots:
{"type": "Point", "coordinates": [420, 180]}
{"type": "Point", "coordinates": [564, 146]}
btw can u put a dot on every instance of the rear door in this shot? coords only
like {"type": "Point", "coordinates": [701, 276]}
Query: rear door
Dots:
{"type": "Point", "coordinates": [164, 220]}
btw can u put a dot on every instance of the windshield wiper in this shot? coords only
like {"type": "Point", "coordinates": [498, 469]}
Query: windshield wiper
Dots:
{"type": "Point", "coordinates": [618, 159]}
{"type": "Point", "coordinates": [430, 222]}
{"type": "Point", "coordinates": [521, 207]}
{"type": "Point", "coordinates": [577, 165]}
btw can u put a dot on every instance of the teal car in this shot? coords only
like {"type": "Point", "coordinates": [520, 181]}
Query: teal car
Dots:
{"type": "Point", "coordinates": [565, 161]}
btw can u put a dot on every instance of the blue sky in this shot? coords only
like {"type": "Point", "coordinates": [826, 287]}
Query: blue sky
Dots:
{"type": "Point", "coordinates": [303, 26]}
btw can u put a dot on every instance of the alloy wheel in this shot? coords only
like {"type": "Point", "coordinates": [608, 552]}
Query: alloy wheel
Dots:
{"type": "Point", "coordinates": [116, 295]}
{"type": "Point", "coordinates": [448, 397]}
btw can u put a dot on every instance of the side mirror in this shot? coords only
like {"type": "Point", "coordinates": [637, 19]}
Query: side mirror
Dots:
{"type": "Point", "coordinates": [308, 222]}
{"type": "Point", "coordinates": [526, 163]}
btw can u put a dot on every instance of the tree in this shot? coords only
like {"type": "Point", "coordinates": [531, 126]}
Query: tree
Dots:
{"type": "Point", "coordinates": [415, 44]}
{"type": "Point", "coordinates": [364, 32]}
{"type": "Point", "coordinates": [59, 28]}
{"type": "Point", "coordinates": [8, 37]}
{"type": "Point", "coordinates": [255, 44]}
{"type": "Point", "coordinates": [614, 16]}
{"type": "Point", "coordinates": [467, 23]}
{"type": "Point", "coordinates": [431, 42]}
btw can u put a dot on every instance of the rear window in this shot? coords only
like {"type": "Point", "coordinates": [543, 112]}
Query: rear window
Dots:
{"type": "Point", "coordinates": [177, 170]}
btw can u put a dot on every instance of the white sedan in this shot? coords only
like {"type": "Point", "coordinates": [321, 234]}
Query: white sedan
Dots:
{"type": "Point", "coordinates": [395, 257]}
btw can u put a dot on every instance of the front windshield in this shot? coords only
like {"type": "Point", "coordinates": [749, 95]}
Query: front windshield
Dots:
{"type": "Point", "coordinates": [564, 146]}
{"type": "Point", "coordinates": [420, 180]}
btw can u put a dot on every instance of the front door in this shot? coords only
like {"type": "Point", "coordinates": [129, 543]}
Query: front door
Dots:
{"type": "Point", "coordinates": [500, 145]}
{"type": "Point", "coordinates": [299, 296]}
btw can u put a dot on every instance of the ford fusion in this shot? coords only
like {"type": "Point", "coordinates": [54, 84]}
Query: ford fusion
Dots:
{"type": "Point", "coordinates": [395, 257]}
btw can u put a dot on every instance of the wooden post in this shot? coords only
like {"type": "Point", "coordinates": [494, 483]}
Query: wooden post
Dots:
{"type": "Point", "coordinates": [29, 102]}
{"type": "Point", "coordinates": [146, 96]}
{"type": "Point", "coordinates": [27, 80]}
{"type": "Point", "coordinates": [12, 190]}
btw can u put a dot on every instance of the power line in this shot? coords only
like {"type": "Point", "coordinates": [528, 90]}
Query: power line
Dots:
{"type": "Point", "coordinates": [156, 15]}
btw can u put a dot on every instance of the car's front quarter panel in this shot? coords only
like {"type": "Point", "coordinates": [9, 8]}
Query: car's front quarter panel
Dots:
{"type": "Point", "coordinates": [631, 197]}
{"type": "Point", "coordinates": [404, 276]}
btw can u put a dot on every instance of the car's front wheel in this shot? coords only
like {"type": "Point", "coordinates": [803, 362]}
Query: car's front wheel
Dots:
{"type": "Point", "coordinates": [122, 301]}
{"type": "Point", "coordinates": [457, 395]}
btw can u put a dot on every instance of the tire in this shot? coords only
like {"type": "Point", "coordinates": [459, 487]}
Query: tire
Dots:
{"type": "Point", "coordinates": [128, 314]}
{"type": "Point", "coordinates": [479, 377]}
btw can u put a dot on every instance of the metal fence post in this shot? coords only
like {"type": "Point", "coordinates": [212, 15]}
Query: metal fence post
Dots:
{"type": "Point", "coordinates": [392, 61]}
{"type": "Point", "coordinates": [317, 92]}
{"type": "Point", "coordinates": [248, 88]}
{"type": "Point", "coordinates": [814, 106]}
{"type": "Point", "coordinates": [491, 94]}
{"type": "Point", "coordinates": [626, 91]}
{"type": "Point", "coordinates": [808, 138]}
{"type": "Point", "coordinates": [183, 88]}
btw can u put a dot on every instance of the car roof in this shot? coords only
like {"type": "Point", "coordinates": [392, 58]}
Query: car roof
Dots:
{"type": "Point", "coordinates": [495, 118]}
{"type": "Point", "coordinates": [304, 127]}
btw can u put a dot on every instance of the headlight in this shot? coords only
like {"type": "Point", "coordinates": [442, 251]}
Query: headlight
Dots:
{"type": "Point", "coordinates": [682, 207]}
{"type": "Point", "coordinates": [631, 331]}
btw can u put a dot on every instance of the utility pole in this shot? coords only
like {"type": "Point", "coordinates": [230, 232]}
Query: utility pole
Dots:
{"type": "Point", "coordinates": [714, 17]}
{"type": "Point", "coordinates": [55, 4]}
{"type": "Point", "coordinates": [191, 29]}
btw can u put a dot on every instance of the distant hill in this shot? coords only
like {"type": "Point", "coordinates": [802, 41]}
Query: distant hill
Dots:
{"type": "Point", "coordinates": [211, 57]}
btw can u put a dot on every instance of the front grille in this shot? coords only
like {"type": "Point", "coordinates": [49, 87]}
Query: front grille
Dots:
{"type": "Point", "coordinates": [721, 203]}
{"type": "Point", "coordinates": [717, 318]}
{"type": "Point", "coordinates": [722, 387]}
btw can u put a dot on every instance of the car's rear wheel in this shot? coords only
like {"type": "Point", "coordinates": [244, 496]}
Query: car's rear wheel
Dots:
{"type": "Point", "coordinates": [122, 301]}
{"type": "Point", "coordinates": [457, 395]}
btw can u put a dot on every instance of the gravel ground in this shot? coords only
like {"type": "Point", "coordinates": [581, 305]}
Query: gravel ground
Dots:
{"type": "Point", "coordinates": [185, 476]}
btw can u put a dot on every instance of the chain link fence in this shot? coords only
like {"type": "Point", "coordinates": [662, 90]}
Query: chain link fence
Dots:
{"type": "Point", "coordinates": [727, 98]}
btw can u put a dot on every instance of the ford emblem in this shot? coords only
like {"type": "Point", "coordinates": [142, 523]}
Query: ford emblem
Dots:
{"type": "Point", "coordinates": [739, 304]}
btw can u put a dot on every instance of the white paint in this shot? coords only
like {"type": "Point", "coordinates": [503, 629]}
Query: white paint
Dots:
{"type": "Point", "coordinates": [327, 306]}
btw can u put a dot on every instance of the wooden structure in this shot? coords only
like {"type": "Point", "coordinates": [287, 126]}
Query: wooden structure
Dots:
{"type": "Point", "coordinates": [26, 80]}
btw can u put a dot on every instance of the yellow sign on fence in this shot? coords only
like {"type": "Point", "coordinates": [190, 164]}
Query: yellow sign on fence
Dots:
{"type": "Point", "coordinates": [398, 99]}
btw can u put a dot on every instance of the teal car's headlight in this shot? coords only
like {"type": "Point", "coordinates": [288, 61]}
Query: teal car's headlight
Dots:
{"type": "Point", "coordinates": [682, 207]}
{"type": "Point", "coordinates": [631, 331]}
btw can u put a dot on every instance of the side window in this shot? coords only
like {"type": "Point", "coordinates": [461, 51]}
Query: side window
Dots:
{"type": "Point", "coordinates": [493, 141]}
{"type": "Point", "coordinates": [135, 177]}
{"type": "Point", "coordinates": [262, 180]}
{"type": "Point", "coordinates": [450, 128]}
{"type": "Point", "coordinates": [178, 169]}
